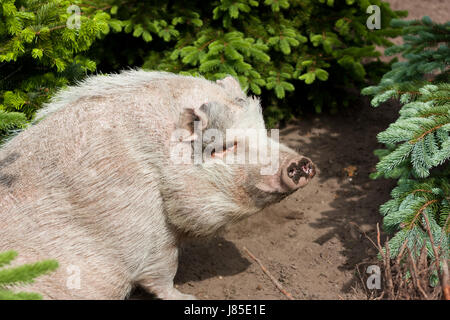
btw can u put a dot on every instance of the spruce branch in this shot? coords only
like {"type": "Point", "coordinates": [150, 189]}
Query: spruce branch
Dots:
{"type": "Point", "coordinates": [12, 277]}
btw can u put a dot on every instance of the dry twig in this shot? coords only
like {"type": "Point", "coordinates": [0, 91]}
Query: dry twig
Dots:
{"type": "Point", "coordinates": [264, 269]}
{"type": "Point", "coordinates": [397, 285]}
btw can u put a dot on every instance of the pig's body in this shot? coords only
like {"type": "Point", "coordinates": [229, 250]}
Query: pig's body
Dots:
{"type": "Point", "coordinates": [92, 185]}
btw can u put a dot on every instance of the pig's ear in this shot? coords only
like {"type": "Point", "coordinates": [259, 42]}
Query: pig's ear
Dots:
{"type": "Point", "coordinates": [188, 119]}
{"type": "Point", "coordinates": [230, 84]}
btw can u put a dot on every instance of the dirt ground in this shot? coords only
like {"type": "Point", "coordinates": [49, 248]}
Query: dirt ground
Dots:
{"type": "Point", "coordinates": [311, 241]}
{"type": "Point", "coordinates": [437, 10]}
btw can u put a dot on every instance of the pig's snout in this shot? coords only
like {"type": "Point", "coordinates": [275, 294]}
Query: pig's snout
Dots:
{"type": "Point", "coordinates": [297, 172]}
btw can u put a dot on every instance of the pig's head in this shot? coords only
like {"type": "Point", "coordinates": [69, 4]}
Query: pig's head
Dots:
{"type": "Point", "coordinates": [238, 162]}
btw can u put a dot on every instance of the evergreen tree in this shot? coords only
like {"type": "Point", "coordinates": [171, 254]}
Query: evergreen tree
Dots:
{"type": "Point", "coordinates": [17, 276]}
{"type": "Point", "coordinates": [40, 46]}
{"type": "Point", "coordinates": [272, 47]}
{"type": "Point", "coordinates": [418, 143]}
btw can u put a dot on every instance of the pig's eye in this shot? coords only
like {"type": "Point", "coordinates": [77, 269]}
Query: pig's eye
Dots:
{"type": "Point", "coordinates": [240, 101]}
{"type": "Point", "coordinates": [225, 149]}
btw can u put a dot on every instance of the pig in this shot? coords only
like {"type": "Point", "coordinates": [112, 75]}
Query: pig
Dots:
{"type": "Point", "coordinates": [93, 183]}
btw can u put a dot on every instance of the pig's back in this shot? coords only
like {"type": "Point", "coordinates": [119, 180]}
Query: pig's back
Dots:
{"type": "Point", "coordinates": [71, 176]}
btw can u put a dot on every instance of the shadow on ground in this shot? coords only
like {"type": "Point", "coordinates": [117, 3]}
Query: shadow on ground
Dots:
{"type": "Point", "coordinates": [201, 259]}
{"type": "Point", "coordinates": [344, 153]}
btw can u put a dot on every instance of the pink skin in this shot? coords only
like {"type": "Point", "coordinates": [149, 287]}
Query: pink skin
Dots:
{"type": "Point", "coordinates": [297, 173]}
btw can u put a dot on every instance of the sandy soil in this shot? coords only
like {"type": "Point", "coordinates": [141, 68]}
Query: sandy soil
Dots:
{"type": "Point", "coordinates": [437, 10]}
{"type": "Point", "coordinates": [312, 241]}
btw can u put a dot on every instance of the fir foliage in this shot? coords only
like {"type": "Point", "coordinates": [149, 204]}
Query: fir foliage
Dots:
{"type": "Point", "coordinates": [12, 277]}
{"type": "Point", "coordinates": [273, 47]}
{"type": "Point", "coordinates": [40, 53]}
{"type": "Point", "coordinates": [288, 51]}
{"type": "Point", "coordinates": [418, 143]}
